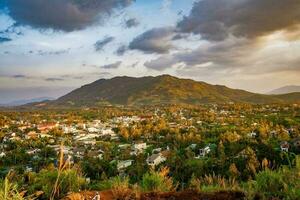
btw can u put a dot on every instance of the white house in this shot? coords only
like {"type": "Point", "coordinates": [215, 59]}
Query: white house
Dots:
{"type": "Point", "coordinates": [2, 155]}
{"type": "Point", "coordinates": [204, 151]}
{"type": "Point", "coordinates": [69, 129]}
{"type": "Point", "coordinates": [140, 146]}
{"type": "Point", "coordinates": [156, 159]}
{"type": "Point", "coordinates": [252, 135]}
{"type": "Point", "coordinates": [124, 164]}
{"type": "Point", "coordinates": [107, 131]}
{"type": "Point", "coordinates": [93, 130]}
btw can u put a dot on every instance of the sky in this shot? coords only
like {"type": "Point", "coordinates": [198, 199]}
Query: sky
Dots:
{"type": "Point", "coordinates": [49, 47]}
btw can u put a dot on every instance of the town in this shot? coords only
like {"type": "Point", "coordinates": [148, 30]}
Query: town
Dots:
{"type": "Point", "coordinates": [230, 140]}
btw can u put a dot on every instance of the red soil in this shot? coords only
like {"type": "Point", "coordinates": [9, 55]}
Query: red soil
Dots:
{"type": "Point", "coordinates": [185, 195]}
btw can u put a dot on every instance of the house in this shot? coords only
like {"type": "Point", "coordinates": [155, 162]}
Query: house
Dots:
{"type": "Point", "coordinates": [93, 130]}
{"type": "Point", "coordinates": [140, 146]}
{"type": "Point", "coordinates": [33, 151]}
{"type": "Point", "coordinates": [157, 150]}
{"type": "Point", "coordinates": [204, 151]}
{"type": "Point", "coordinates": [28, 169]}
{"type": "Point", "coordinates": [123, 146]}
{"type": "Point", "coordinates": [69, 129]}
{"type": "Point", "coordinates": [78, 152]}
{"type": "Point", "coordinates": [108, 131]}
{"type": "Point", "coordinates": [2, 155]}
{"type": "Point", "coordinates": [124, 164]}
{"type": "Point", "coordinates": [252, 135]}
{"type": "Point", "coordinates": [284, 146]}
{"type": "Point", "coordinates": [192, 146]}
{"type": "Point", "coordinates": [156, 159]}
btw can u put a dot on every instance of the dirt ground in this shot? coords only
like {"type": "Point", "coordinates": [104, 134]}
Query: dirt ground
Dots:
{"type": "Point", "coordinates": [186, 195]}
{"type": "Point", "coordinates": [190, 195]}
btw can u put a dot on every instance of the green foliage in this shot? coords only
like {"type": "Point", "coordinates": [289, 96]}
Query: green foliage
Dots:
{"type": "Point", "coordinates": [100, 185]}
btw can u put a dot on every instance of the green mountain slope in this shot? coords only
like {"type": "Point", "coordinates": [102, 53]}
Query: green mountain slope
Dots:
{"type": "Point", "coordinates": [163, 89]}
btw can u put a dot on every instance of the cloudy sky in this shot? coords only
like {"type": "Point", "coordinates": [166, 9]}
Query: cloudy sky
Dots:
{"type": "Point", "coordinates": [49, 47]}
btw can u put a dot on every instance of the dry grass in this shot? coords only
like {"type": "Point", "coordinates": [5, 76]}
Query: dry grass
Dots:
{"type": "Point", "coordinates": [63, 165]}
{"type": "Point", "coordinates": [121, 189]}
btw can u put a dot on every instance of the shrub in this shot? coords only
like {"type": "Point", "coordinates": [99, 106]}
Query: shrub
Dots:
{"type": "Point", "coordinates": [283, 183]}
{"type": "Point", "coordinates": [121, 188]}
{"type": "Point", "coordinates": [157, 181]}
{"type": "Point", "coordinates": [270, 183]}
{"type": "Point", "coordinates": [68, 181]}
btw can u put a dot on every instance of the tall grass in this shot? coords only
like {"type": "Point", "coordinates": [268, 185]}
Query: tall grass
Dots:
{"type": "Point", "coordinates": [121, 188]}
{"type": "Point", "coordinates": [8, 191]}
{"type": "Point", "coordinates": [283, 183]}
{"type": "Point", "coordinates": [158, 181]}
{"type": "Point", "coordinates": [212, 182]}
{"type": "Point", "coordinates": [57, 182]}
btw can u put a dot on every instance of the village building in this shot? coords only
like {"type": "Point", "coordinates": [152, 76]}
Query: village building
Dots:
{"type": "Point", "coordinates": [284, 146]}
{"type": "Point", "coordinates": [124, 164]}
{"type": "Point", "coordinates": [156, 159]}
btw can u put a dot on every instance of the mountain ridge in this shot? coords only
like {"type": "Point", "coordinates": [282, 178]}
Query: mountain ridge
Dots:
{"type": "Point", "coordinates": [286, 89]}
{"type": "Point", "coordinates": [158, 90]}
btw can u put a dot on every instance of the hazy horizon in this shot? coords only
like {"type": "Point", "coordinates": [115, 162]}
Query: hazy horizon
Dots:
{"type": "Point", "coordinates": [63, 44]}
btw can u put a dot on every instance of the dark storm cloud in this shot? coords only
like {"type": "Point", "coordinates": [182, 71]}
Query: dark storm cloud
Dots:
{"type": "Point", "coordinates": [112, 66]}
{"type": "Point", "coordinates": [161, 63]}
{"type": "Point", "coordinates": [215, 20]}
{"type": "Point", "coordinates": [4, 39]}
{"type": "Point", "coordinates": [133, 22]}
{"type": "Point", "coordinates": [227, 54]}
{"type": "Point", "coordinates": [64, 15]}
{"type": "Point", "coordinates": [99, 45]}
{"type": "Point", "coordinates": [156, 40]}
{"type": "Point", "coordinates": [121, 50]}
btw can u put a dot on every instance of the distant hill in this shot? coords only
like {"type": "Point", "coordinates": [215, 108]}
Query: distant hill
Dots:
{"type": "Point", "coordinates": [26, 101]}
{"type": "Point", "coordinates": [162, 89]}
{"type": "Point", "coordinates": [286, 90]}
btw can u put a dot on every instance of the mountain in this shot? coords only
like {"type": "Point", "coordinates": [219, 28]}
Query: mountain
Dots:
{"type": "Point", "coordinates": [26, 101]}
{"type": "Point", "coordinates": [286, 89]}
{"type": "Point", "coordinates": [164, 89]}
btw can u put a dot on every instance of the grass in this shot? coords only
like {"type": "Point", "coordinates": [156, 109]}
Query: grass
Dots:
{"type": "Point", "coordinates": [9, 191]}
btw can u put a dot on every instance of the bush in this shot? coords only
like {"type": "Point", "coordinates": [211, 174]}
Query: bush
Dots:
{"type": "Point", "coordinates": [270, 183]}
{"type": "Point", "coordinates": [68, 181]}
{"type": "Point", "coordinates": [121, 189]}
{"type": "Point", "coordinates": [157, 181]}
{"type": "Point", "coordinates": [283, 184]}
